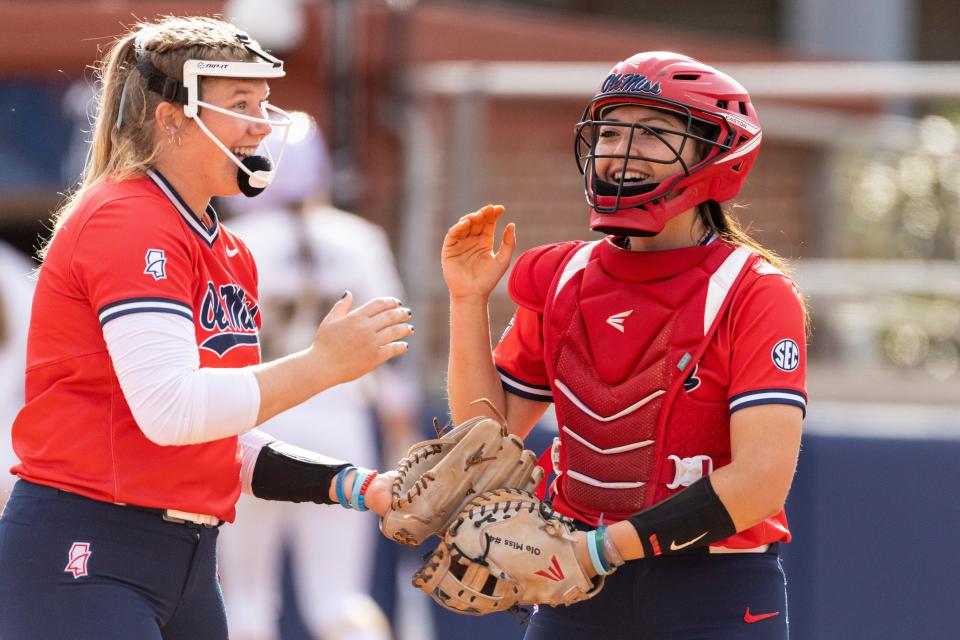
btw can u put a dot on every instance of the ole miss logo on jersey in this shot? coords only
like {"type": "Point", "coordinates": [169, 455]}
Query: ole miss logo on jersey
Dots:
{"type": "Point", "coordinates": [229, 316]}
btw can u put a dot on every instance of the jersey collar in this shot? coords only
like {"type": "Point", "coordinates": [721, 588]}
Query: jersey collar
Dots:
{"type": "Point", "coordinates": [650, 266]}
{"type": "Point", "coordinates": [209, 235]}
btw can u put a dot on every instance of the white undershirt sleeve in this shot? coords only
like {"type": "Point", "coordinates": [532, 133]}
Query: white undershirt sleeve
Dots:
{"type": "Point", "coordinates": [251, 443]}
{"type": "Point", "coordinates": [172, 399]}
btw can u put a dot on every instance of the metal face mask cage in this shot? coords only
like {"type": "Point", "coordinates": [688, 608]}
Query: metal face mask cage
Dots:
{"type": "Point", "coordinates": [188, 94]}
{"type": "Point", "coordinates": [588, 138]}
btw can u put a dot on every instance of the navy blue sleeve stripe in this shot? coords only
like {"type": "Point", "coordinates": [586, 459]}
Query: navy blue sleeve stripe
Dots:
{"type": "Point", "coordinates": [759, 401]}
{"type": "Point", "coordinates": [523, 394]}
{"type": "Point", "coordinates": [105, 318]}
{"type": "Point", "coordinates": [752, 392]}
{"type": "Point", "coordinates": [505, 374]}
{"type": "Point", "coordinates": [128, 301]}
{"type": "Point", "coordinates": [524, 391]}
{"type": "Point", "coordinates": [773, 395]}
{"type": "Point", "coordinates": [121, 308]}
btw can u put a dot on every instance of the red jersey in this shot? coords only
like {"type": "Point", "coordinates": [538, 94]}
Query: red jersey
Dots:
{"type": "Point", "coordinates": [131, 246]}
{"type": "Point", "coordinates": [646, 355]}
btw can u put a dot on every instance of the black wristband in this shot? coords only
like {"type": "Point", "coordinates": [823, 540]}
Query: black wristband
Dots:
{"type": "Point", "coordinates": [291, 474]}
{"type": "Point", "coordinates": [693, 518]}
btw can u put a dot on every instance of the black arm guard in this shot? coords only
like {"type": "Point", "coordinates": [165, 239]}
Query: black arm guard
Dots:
{"type": "Point", "coordinates": [693, 518]}
{"type": "Point", "coordinates": [291, 474]}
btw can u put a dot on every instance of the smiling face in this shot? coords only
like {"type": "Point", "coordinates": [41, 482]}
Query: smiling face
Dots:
{"type": "Point", "coordinates": [212, 167]}
{"type": "Point", "coordinates": [654, 152]}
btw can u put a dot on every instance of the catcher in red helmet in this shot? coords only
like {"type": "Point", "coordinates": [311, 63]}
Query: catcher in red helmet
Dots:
{"type": "Point", "coordinates": [665, 133]}
{"type": "Point", "coordinates": [673, 352]}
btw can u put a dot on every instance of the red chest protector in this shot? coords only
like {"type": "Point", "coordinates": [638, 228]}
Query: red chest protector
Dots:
{"type": "Point", "coordinates": [618, 350]}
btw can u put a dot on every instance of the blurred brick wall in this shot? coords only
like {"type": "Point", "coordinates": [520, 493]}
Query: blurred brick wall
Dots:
{"type": "Point", "coordinates": [938, 22]}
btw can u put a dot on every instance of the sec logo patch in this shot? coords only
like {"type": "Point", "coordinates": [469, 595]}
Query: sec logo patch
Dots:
{"type": "Point", "coordinates": [786, 355]}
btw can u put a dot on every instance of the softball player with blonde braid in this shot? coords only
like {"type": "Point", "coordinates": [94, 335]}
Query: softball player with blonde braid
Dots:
{"type": "Point", "coordinates": [143, 381]}
{"type": "Point", "coordinates": [673, 352]}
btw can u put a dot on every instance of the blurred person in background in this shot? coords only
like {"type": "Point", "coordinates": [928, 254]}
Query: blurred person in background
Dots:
{"type": "Point", "coordinates": [308, 253]}
{"type": "Point", "coordinates": [144, 381]}
{"type": "Point", "coordinates": [16, 294]}
{"type": "Point", "coordinates": [673, 350]}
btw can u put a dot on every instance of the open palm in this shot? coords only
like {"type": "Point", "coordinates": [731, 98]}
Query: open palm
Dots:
{"type": "Point", "coordinates": [470, 265]}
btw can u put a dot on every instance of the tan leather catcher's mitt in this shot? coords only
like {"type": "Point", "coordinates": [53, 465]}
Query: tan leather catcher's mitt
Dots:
{"type": "Point", "coordinates": [506, 548]}
{"type": "Point", "coordinates": [438, 477]}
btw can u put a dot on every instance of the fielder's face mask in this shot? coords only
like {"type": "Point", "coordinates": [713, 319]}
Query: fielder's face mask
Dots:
{"type": "Point", "coordinates": [254, 173]}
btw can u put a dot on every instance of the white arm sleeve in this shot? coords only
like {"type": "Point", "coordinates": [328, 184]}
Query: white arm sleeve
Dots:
{"type": "Point", "coordinates": [173, 400]}
{"type": "Point", "coordinates": [251, 443]}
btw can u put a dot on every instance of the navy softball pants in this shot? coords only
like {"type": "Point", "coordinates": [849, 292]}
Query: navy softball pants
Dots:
{"type": "Point", "coordinates": [72, 568]}
{"type": "Point", "coordinates": [692, 596]}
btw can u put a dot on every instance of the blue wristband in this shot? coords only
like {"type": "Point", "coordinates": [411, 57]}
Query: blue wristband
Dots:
{"type": "Point", "coordinates": [355, 496]}
{"type": "Point", "coordinates": [341, 496]}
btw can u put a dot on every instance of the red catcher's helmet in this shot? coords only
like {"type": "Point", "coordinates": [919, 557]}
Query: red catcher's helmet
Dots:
{"type": "Point", "coordinates": [719, 118]}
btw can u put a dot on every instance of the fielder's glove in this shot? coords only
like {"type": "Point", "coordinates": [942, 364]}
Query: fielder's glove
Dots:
{"type": "Point", "coordinates": [438, 477]}
{"type": "Point", "coordinates": [505, 549]}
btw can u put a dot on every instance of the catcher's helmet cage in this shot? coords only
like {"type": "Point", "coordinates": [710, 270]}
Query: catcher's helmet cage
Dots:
{"type": "Point", "coordinates": [254, 172]}
{"type": "Point", "coordinates": [716, 114]}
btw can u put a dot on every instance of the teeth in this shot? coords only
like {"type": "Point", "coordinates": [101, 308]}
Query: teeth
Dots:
{"type": "Point", "coordinates": [629, 176]}
{"type": "Point", "coordinates": [243, 152]}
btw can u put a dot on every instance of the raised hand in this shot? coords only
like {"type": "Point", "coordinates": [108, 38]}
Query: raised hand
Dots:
{"type": "Point", "coordinates": [471, 268]}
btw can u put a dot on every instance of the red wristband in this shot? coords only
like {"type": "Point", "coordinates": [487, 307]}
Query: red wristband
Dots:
{"type": "Point", "coordinates": [363, 490]}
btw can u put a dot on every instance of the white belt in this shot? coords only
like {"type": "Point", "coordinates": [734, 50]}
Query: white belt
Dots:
{"type": "Point", "coordinates": [180, 517]}
{"type": "Point", "coordinates": [761, 549]}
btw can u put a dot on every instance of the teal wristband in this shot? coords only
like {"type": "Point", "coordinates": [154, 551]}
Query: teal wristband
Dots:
{"type": "Point", "coordinates": [362, 496]}
{"type": "Point", "coordinates": [594, 556]}
{"type": "Point", "coordinates": [355, 496]}
{"type": "Point", "coordinates": [341, 477]}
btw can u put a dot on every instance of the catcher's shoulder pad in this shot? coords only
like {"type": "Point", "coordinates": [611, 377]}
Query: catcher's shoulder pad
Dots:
{"type": "Point", "coordinates": [534, 271]}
